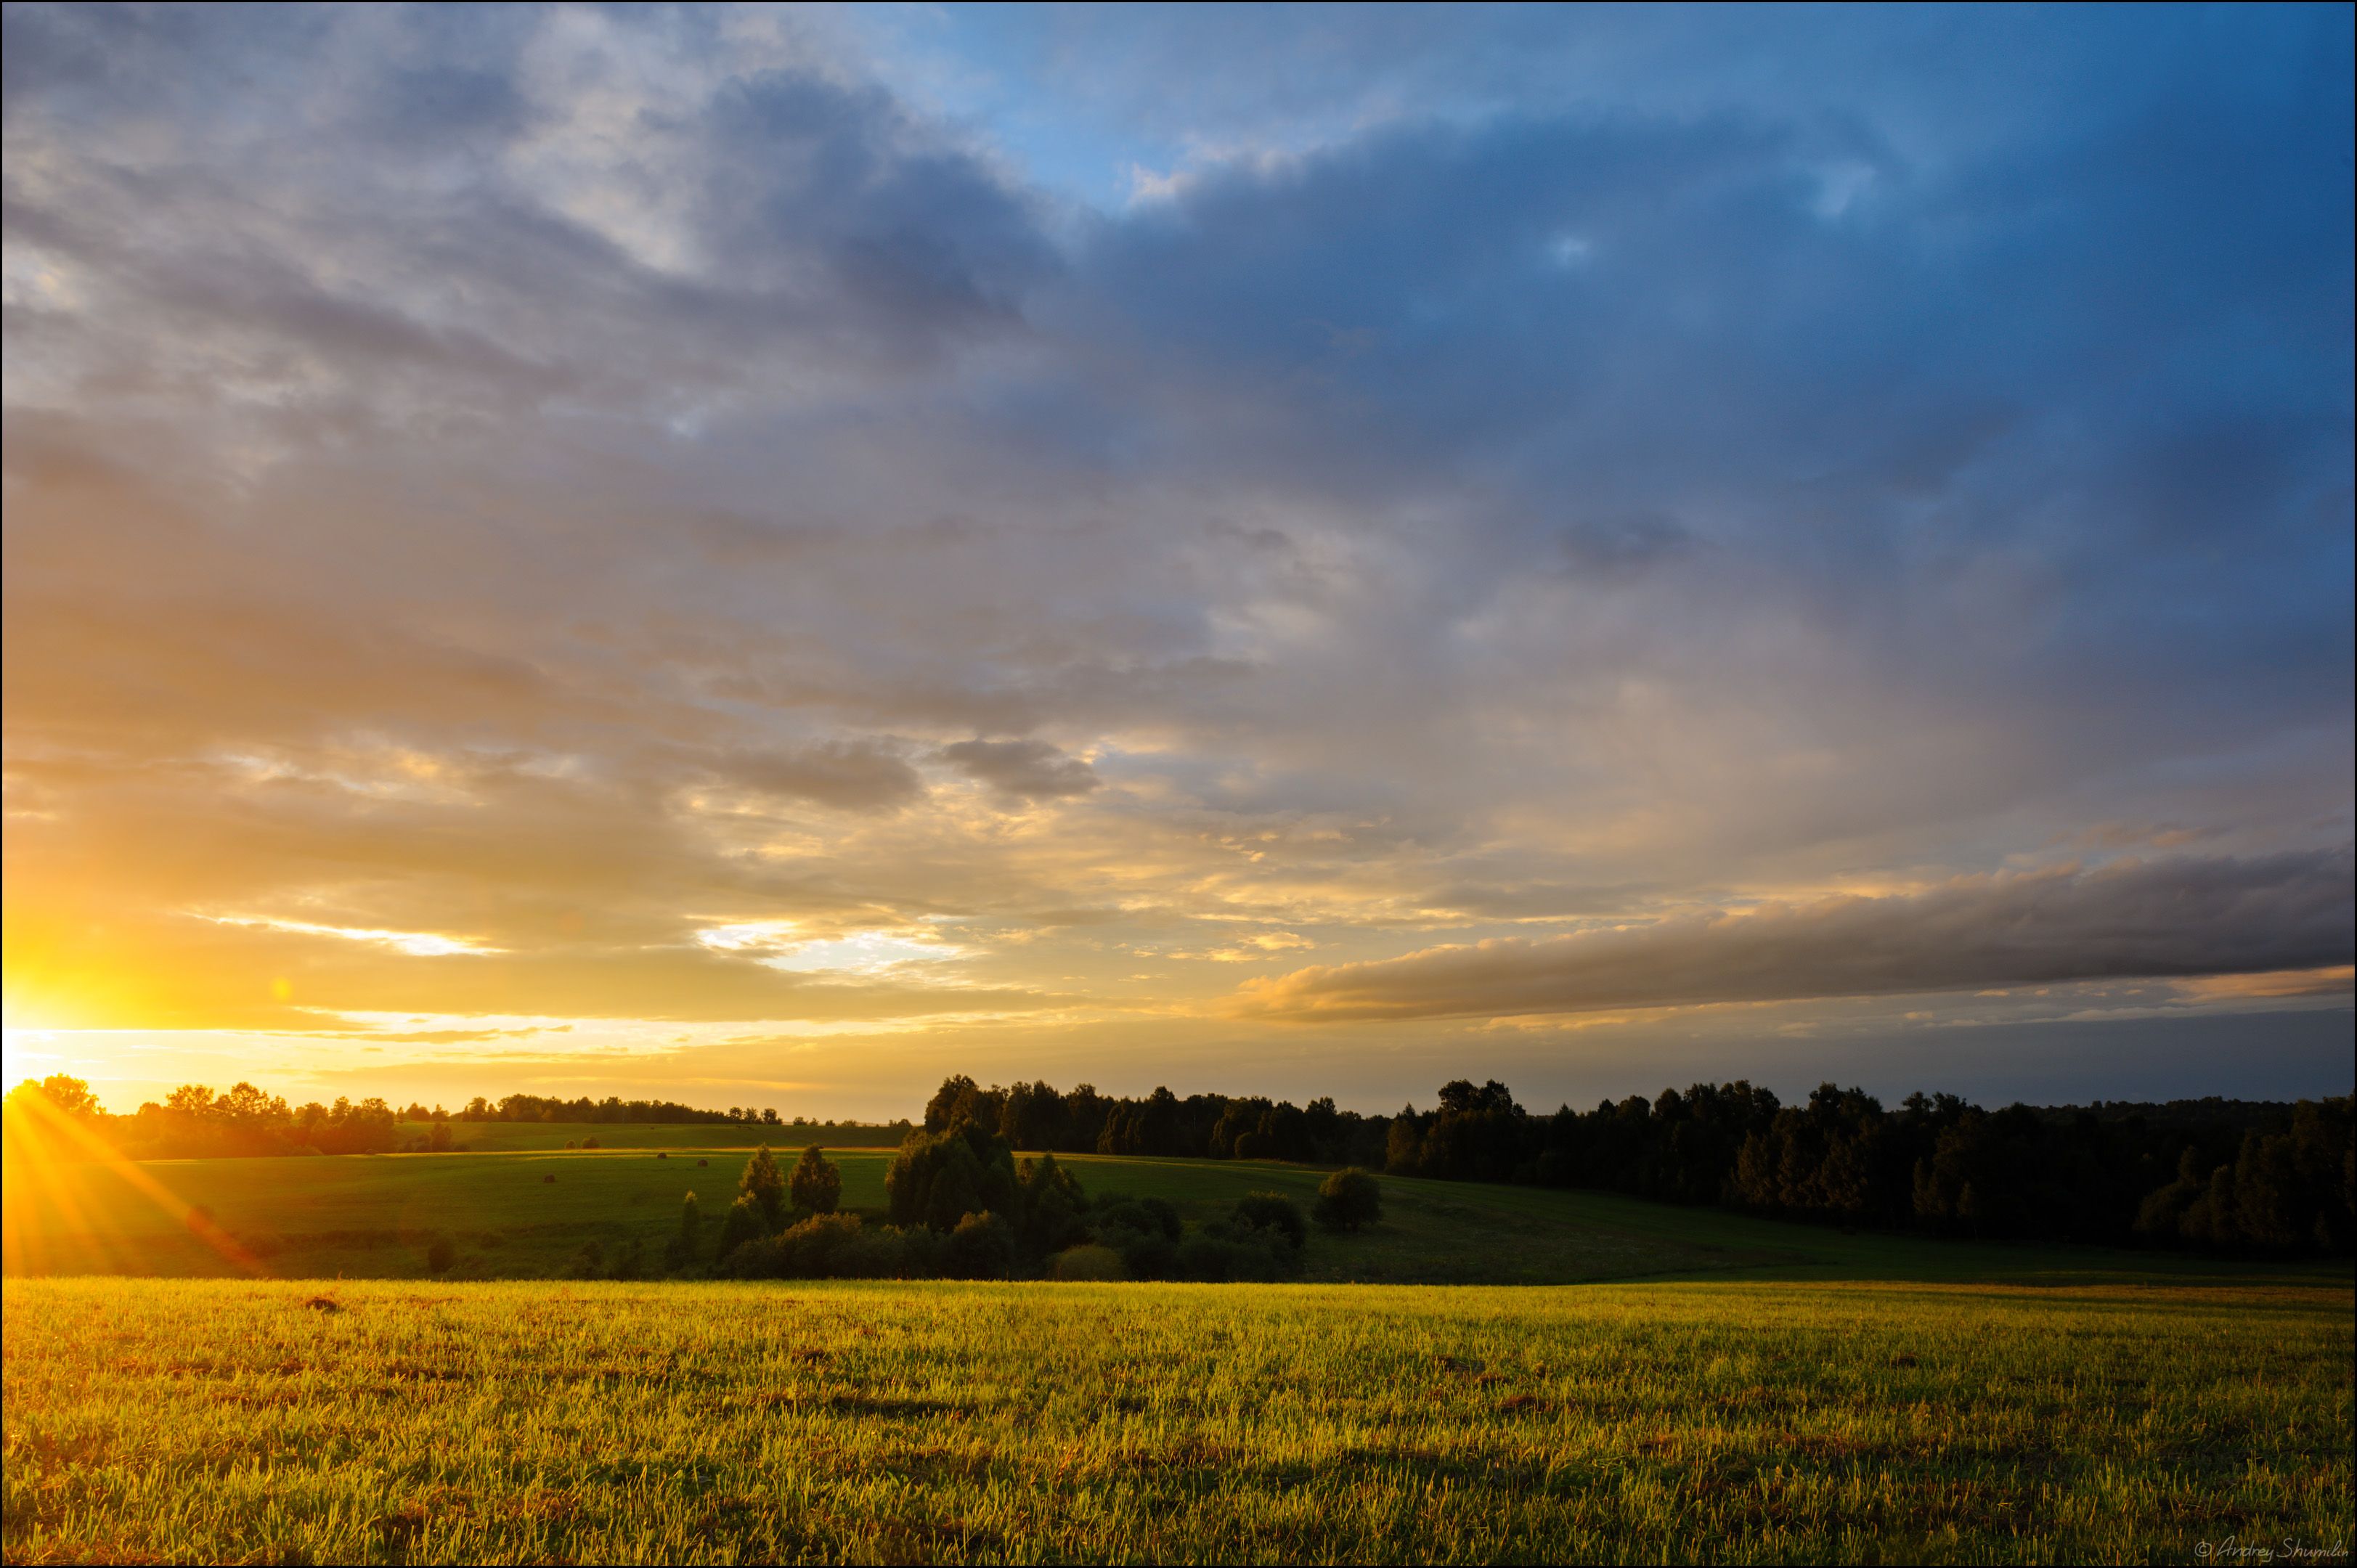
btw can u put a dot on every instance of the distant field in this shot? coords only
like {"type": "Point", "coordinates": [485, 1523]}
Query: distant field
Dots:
{"type": "Point", "coordinates": [501, 1137]}
{"type": "Point", "coordinates": [234, 1421]}
{"type": "Point", "coordinates": [373, 1217]}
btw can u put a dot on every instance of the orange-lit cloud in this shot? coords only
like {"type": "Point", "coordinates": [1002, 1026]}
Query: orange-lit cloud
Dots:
{"type": "Point", "coordinates": [681, 569]}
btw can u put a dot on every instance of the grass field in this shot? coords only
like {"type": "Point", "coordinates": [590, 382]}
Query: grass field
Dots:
{"type": "Point", "coordinates": [243, 1421]}
{"type": "Point", "coordinates": [1724, 1388]}
{"type": "Point", "coordinates": [374, 1216]}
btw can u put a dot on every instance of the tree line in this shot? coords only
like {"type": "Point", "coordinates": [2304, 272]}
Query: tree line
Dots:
{"type": "Point", "coordinates": [194, 1122]}
{"type": "Point", "coordinates": [2282, 1179]}
{"type": "Point", "coordinates": [549, 1108]}
{"type": "Point", "coordinates": [2211, 1175]}
{"type": "Point", "coordinates": [1083, 1122]}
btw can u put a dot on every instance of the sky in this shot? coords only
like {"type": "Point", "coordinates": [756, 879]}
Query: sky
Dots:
{"type": "Point", "coordinates": [765, 557]}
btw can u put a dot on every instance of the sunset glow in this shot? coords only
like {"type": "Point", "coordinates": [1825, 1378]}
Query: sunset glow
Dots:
{"type": "Point", "coordinates": [769, 555]}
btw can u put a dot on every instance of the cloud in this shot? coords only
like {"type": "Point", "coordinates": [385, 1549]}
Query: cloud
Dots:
{"type": "Point", "coordinates": [856, 776]}
{"type": "Point", "coordinates": [2134, 919]}
{"type": "Point", "coordinates": [1026, 769]}
{"type": "Point", "coordinates": [572, 477]}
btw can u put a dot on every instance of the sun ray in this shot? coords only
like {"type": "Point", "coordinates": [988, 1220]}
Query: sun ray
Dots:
{"type": "Point", "coordinates": [39, 1142]}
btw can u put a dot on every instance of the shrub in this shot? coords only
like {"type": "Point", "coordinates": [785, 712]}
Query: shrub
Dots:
{"type": "Point", "coordinates": [1215, 1259]}
{"type": "Point", "coordinates": [591, 1143]}
{"type": "Point", "coordinates": [744, 1222]}
{"type": "Point", "coordinates": [440, 1253]}
{"type": "Point", "coordinates": [758, 1258]}
{"type": "Point", "coordinates": [1151, 1216]}
{"type": "Point", "coordinates": [812, 1249]}
{"type": "Point", "coordinates": [1348, 1200]}
{"type": "Point", "coordinates": [981, 1248]}
{"type": "Point", "coordinates": [837, 1246]}
{"type": "Point", "coordinates": [1086, 1263]}
{"type": "Point", "coordinates": [587, 1263]}
{"type": "Point", "coordinates": [632, 1262]}
{"type": "Point", "coordinates": [1274, 1215]}
{"type": "Point", "coordinates": [882, 1252]}
{"type": "Point", "coordinates": [678, 1253]}
{"type": "Point", "coordinates": [765, 1186]}
{"type": "Point", "coordinates": [1144, 1232]}
{"type": "Point", "coordinates": [691, 1218]}
{"type": "Point", "coordinates": [1121, 1214]}
{"type": "Point", "coordinates": [1144, 1254]}
{"type": "Point", "coordinates": [817, 1185]}
{"type": "Point", "coordinates": [924, 1253]}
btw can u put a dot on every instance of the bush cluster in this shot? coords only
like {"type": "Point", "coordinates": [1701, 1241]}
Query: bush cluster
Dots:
{"type": "Point", "coordinates": [962, 1207]}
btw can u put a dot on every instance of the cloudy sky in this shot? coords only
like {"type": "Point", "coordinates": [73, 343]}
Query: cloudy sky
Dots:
{"type": "Point", "coordinates": [764, 557]}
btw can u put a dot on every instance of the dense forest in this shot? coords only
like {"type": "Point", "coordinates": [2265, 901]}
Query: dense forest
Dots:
{"type": "Point", "coordinates": [2215, 1175]}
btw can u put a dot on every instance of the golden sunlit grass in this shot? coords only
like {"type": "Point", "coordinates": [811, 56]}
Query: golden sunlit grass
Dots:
{"type": "Point", "coordinates": [263, 1422]}
{"type": "Point", "coordinates": [1805, 1395]}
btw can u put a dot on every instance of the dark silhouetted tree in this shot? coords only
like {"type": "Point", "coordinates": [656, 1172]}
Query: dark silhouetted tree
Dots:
{"type": "Point", "coordinates": [745, 1221]}
{"type": "Point", "coordinates": [765, 1186]}
{"type": "Point", "coordinates": [817, 1185]}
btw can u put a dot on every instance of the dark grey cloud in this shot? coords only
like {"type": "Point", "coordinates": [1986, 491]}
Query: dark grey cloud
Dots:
{"type": "Point", "coordinates": [2132, 920]}
{"type": "Point", "coordinates": [1027, 769]}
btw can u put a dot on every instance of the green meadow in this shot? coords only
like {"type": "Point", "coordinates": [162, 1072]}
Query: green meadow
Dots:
{"type": "Point", "coordinates": [284, 1421]}
{"type": "Point", "coordinates": [1520, 1375]}
{"type": "Point", "coordinates": [526, 1213]}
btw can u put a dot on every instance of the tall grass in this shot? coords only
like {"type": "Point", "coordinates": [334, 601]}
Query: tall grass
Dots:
{"type": "Point", "coordinates": [228, 1419]}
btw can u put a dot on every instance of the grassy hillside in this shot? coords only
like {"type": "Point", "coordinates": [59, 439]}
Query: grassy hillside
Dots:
{"type": "Point", "coordinates": [525, 1214]}
{"type": "Point", "coordinates": [244, 1420]}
